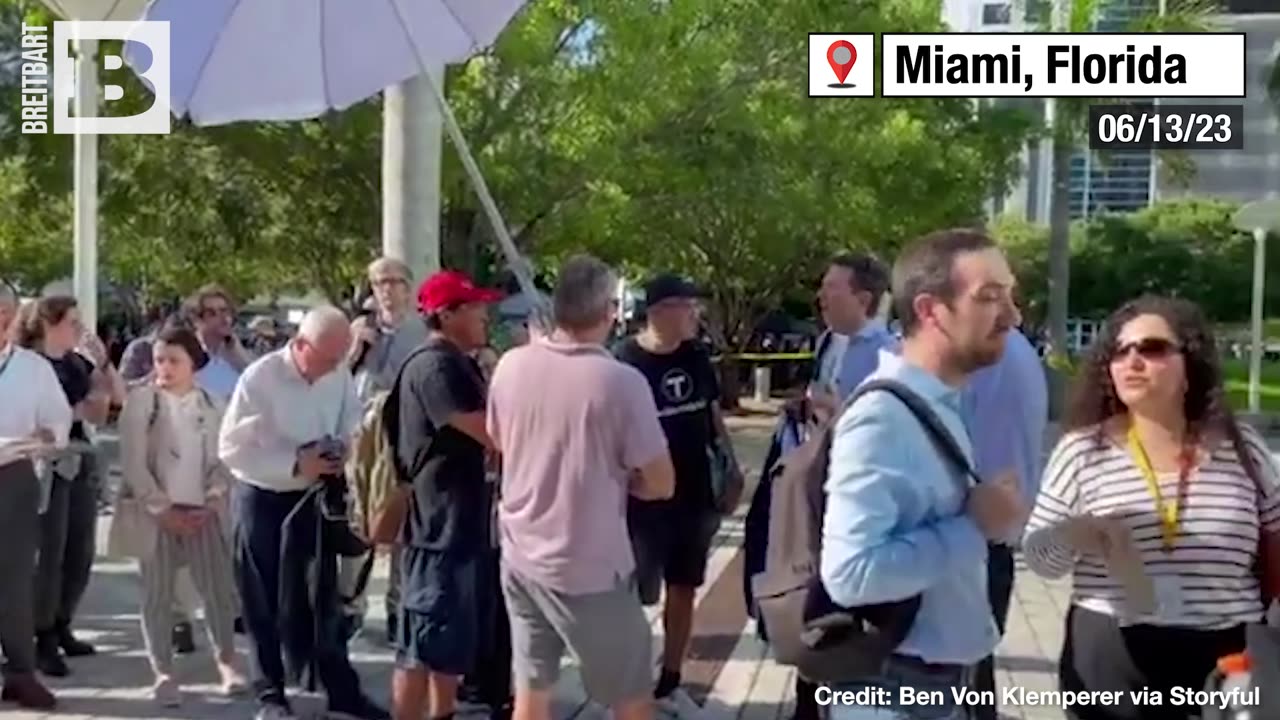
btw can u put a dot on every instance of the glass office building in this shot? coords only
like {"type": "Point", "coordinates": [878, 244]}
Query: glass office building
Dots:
{"type": "Point", "coordinates": [1114, 181]}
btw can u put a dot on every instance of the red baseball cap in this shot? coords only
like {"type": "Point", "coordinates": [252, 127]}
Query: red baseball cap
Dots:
{"type": "Point", "coordinates": [448, 288]}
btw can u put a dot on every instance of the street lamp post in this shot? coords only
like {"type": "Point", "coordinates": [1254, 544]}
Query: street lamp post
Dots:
{"type": "Point", "coordinates": [1255, 334]}
{"type": "Point", "coordinates": [1259, 218]}
{"type": "Point", "coordinates": [84, 275]}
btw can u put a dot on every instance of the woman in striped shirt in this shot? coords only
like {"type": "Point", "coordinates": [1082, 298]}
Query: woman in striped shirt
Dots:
{"type": "Point", "coordinates": [1153, 460]}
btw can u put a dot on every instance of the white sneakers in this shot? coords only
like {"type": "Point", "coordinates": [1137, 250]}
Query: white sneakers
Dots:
{"type": "Point", "coordinates": [166, 693]}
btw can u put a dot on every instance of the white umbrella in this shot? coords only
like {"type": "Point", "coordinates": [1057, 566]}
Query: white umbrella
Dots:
{"type": "Point", "coordinates": [294, 59]}
{"type": "Point", "coordinates": [97, 10]}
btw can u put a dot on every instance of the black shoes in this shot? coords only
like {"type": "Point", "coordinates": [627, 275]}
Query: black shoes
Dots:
{"type": "Point", "coordinates": [361, 708]}
{"type": "Point", "coordinates": [54, 646]}
{"type": "Point", "coordinates": [49, 658]}
{"type": "Point", "coordinates": [184, 638]}
{"type": "Point", "coordinates": [71, 645]}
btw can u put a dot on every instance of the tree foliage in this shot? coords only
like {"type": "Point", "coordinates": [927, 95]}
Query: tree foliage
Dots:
{"type": "Point", "coordinates": [1187, 248]}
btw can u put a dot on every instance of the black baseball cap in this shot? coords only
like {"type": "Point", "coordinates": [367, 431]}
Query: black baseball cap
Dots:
{"type": "Point", "coordinates": [667, 286]}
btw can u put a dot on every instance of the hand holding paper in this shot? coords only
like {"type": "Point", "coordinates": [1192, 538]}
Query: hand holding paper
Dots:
{"type": "Point", "coordinates": [1087, 535]}
{"type": "Point", "coordinates": [1124, 563]}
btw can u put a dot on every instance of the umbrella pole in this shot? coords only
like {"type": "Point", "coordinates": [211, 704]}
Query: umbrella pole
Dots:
{"type": "Point", "coordinates": [519, 265]}
{"type": "Point", "coordinates": [411, 144]}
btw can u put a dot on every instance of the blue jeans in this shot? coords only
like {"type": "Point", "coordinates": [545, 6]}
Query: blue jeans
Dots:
{"type": "Point", "coordinates": [905, 679]}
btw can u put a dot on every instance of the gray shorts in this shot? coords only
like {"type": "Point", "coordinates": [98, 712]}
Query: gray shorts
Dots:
{"type": "Point", "coordinates": [606, 632]}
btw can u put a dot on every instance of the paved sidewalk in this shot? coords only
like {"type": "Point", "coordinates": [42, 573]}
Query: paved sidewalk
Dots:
{"type": "Point", "coordinates": [747, 685]}
{"type": "Point", "coordinates": [729, 675]}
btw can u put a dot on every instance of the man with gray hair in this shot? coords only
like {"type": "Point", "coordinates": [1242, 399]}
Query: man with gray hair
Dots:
{"type": "Point", "coordinates": [578, 432]}
{"type": "Point", "coordinates": [286, 429]}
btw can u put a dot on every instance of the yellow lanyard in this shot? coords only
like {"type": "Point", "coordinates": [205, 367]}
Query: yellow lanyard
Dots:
{"type": "Point", "coordinates": [1168, 512]}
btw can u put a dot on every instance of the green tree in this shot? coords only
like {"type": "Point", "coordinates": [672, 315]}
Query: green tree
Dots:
{"type": "Point", "coordinates": [35, 247]}
{"type": "Point", "coordinates": [1026, 245]}
{"type": "Point", "coordinates": [732, 175]}
{"type": "Point", "coordinates": [1186, 248]}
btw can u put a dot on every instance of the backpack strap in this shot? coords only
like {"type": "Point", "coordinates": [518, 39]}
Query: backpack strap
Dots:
{"type": "Point", "coordinates": [155, 409]}
{"type": "Point", "coordinates": [391, 406]}
{"type": "Point", "coordinates": [933, 425]}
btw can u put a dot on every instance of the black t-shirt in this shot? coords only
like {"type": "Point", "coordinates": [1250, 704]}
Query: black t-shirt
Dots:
{"type": "Point", "coordinates": [449, 511]}
{"type": "Point", "coordinates": [75, 374]}
{"type": "Point", "coordinates": [684, 387]}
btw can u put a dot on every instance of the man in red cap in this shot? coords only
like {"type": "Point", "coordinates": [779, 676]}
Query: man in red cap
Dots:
{"type": "Point", "coordinates": [440, 446]}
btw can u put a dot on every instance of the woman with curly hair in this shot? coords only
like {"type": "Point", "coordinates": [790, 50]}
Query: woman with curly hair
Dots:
{"type": "Point", "coordinates": [1152, 455]}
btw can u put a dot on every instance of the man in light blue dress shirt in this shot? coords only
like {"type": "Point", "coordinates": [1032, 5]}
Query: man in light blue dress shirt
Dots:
{"type": "Point", "coordinates": [849, 298]}
{"type": "Point", "coordinates": [1006, 409]}
{"type": "Point", "coordinates": [900, 520]}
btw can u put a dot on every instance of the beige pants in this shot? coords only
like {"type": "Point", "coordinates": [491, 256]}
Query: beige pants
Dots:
{"type": "Point", "coordinates": [205, 558]}
{"type": "Point", "coordinates": [186, 599]}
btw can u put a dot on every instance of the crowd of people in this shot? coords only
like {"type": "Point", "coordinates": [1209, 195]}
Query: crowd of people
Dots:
{"type": "Point", "coordinates": [533, 502]}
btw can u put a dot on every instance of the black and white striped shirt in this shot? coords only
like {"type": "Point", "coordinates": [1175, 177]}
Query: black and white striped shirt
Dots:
{"type": "Point", "coordinates": [1218, 534]}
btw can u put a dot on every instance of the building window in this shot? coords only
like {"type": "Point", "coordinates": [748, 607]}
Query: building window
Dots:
{"type": "Point", "coordinates": [995, 14]}
{"type": "Point", "coordinates": [1036, 12]}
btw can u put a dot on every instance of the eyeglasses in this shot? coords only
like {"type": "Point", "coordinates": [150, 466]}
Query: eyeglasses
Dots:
{"type": "Point", "coordinates": [1147, 348]}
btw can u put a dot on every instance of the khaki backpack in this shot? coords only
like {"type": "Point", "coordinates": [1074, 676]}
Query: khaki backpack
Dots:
{"type": "Point", "coordinates": [827, 643]}
{"type": "Point", "coordinates": [372, 470]}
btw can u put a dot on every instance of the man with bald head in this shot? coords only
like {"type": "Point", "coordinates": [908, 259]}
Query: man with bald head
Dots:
{"type": "Point", "coordinates": [286, 429]}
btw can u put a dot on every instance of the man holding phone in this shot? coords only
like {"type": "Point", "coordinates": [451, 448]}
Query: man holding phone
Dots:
{"type": "Point", "coordinates": [284, 431]}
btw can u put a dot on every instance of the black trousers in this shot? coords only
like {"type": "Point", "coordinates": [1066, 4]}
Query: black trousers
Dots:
{"type": "Point", "coordinates": [1100, 655]}
{"type": "Point", "coordinates": [20, 539]}
{"type": "Point", "coordinates": [490, 682]}
{"type": "Point", "coordinates": [259, 517]}
{"type": "Point", "coordinates": [1000, 574]}
{"type": "Point", "coordinates": [68, 538]}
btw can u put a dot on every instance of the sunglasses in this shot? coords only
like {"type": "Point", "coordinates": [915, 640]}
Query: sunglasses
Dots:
{"type": "Point", "coordinates": [1147, 349]}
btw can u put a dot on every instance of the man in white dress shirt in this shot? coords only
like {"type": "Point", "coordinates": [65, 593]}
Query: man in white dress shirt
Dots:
{"type": "Point", "coordinates": [34, 413]}
{"type": "Point", "coordinates": [290, 409]}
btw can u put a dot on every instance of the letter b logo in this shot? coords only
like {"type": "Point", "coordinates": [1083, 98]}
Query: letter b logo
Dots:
{"type": "Point", "coordinates": [153, 35]}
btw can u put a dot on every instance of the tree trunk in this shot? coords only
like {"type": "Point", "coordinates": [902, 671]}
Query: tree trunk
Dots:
{"type": "Point", "coordinates": [730, 383]}
{"type": "Point", "coordinates": [1059, 268]}
{"type": "Point", "coordinates": [456, 247]}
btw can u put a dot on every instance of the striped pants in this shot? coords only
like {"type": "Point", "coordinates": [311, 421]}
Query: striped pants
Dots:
{"type": "Point", "coordinates": [208, 557]}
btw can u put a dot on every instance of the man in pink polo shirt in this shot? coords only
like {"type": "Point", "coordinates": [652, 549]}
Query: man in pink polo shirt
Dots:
{"type": "Point", "coordinates": [578, 432]}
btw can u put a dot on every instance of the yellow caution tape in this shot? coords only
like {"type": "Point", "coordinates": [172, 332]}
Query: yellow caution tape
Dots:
{"type": "Point", "coordinates": [766, 357]}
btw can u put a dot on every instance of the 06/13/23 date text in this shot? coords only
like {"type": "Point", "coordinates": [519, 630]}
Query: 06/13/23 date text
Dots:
{"type": "Point", "coordinates": [1166, 127]}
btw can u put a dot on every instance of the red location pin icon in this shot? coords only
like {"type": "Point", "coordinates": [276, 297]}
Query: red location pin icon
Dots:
{"type": "Point", "coordinates": [842, 55]}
